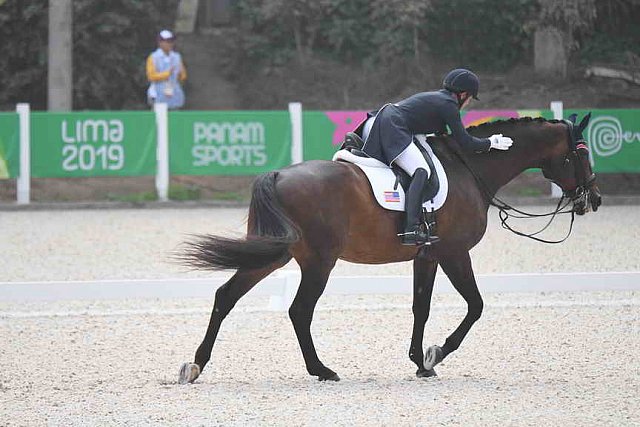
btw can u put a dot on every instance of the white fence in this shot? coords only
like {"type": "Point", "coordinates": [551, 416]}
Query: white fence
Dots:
{"type": "Point", "coordinates": [282, 286]}
{"type": "Point", "coordinates": [162, 148]}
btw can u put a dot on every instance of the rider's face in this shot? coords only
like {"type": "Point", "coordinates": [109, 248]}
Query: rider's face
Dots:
{"type": "Point", "coordinates": [467, 100]}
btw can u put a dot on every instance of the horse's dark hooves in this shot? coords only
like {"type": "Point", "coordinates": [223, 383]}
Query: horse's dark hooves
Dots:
{"type": "Point", "coordinates": [333, 377]}
{"type": "Point", "coordinates": [433, 356]}
{"type": "Point", "coordinates": [426, 373]}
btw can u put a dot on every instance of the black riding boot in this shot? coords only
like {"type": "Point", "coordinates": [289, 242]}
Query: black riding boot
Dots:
{"type": "Point", "coordinates": [415, 233]}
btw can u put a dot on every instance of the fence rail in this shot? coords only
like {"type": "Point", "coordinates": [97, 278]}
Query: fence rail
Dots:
{"type": "Point", "coordinates": [282, 286]}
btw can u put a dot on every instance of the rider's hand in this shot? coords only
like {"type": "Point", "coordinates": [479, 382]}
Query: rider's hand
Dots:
{"type": "Point", "coordinates": [499, 142]}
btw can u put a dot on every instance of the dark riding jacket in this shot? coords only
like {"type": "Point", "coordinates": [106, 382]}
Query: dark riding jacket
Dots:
{"type": "Point", "coordinates": [422, 113]}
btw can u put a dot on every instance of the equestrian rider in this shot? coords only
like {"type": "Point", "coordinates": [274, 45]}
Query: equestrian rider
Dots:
{"type": "Point", "coordinates": [388, 135]}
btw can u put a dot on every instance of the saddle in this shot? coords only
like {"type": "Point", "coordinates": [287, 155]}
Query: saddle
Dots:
{"type": "Point", "coordinates": [353, 143]}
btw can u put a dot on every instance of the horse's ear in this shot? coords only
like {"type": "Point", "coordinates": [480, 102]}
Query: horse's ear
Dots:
{"type": "Point", "coordinates": [573, 117]}
{"type": "Point", "coordinates": [584, 122]}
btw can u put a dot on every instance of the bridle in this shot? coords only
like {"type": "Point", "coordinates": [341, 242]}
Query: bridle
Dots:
{"type": "Point", "coordinates": [579, 195]}
{"type": "Point", "coordinates": [584, 180]}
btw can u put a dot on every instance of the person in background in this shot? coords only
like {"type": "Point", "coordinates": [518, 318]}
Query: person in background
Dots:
{"type": "Point", "coordinates": [166, 72]}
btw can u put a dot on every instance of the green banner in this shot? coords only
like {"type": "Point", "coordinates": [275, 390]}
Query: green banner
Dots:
{"type": "Point", "coordinates": [93, 143]}
{"type": "Point", "coordinates": [9, 145]}
{"type": "Point", "coordinates": [228, 142]}
{"type": "Point", "coordinates": [80, 144]}
{"type": "Point", "coordinates": [613, 137]}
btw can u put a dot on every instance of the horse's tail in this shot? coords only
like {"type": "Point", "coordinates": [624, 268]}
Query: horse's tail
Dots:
{"type": "Point", "coordinates": [270, 233]}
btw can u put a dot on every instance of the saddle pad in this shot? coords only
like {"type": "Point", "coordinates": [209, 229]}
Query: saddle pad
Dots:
{"type": "Point", "coordinates": [382, 179]}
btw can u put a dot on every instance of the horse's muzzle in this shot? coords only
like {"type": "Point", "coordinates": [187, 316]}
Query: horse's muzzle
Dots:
{"type": "Point", "coordinates": [586, 199]}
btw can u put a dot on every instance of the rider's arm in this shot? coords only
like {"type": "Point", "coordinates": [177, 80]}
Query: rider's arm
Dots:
{"type": "Point", "coordinates": [466, 141]}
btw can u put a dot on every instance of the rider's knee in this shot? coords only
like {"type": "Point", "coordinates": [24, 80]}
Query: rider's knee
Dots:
{"type": "Point", "coordinates": [421, 173]}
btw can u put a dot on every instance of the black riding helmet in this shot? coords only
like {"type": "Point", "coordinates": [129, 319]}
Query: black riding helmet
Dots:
{"type": "Point", "coordinates": [462, 80]}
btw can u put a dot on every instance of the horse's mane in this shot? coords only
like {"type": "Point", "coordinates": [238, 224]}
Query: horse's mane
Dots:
{"type": "Point", "coordinates": [488, 128]}
{"type": "Point", "coordinates": [513, 121]}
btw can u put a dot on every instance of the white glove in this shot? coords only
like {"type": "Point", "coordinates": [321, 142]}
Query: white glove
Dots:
{"type": "Point", "coordinates": [499, 142]}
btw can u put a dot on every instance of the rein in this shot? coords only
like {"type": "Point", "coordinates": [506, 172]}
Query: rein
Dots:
{"type": "Point", "coordinates": [504, 207]}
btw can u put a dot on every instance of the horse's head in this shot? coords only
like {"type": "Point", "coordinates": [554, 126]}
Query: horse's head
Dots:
{"type": "Point", "coordinates": [570, 169]}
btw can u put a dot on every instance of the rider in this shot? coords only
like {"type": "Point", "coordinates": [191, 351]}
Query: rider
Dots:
{"type": "Point", "coordinates": [388, 136]}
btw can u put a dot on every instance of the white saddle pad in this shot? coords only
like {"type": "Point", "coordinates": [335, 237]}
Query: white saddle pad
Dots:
{"type": "Point", "coordinates": [382, 179]}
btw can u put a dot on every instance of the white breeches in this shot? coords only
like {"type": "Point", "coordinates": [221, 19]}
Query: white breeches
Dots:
{"type": "Point", "coordinates": [411, 159]}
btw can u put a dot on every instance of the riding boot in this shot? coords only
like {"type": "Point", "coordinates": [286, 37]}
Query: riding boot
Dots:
{"type": "Point", "coordinates": [415, 233]}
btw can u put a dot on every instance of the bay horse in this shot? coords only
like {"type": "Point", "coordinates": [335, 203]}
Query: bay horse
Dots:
{"type": "Point", "coordinates": [317, 212]}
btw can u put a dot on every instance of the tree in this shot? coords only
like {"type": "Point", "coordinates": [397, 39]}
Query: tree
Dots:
{"type": "Point", "coordinates": [111, 39]}
{"type": "Point", "coordinates": [559, 24]}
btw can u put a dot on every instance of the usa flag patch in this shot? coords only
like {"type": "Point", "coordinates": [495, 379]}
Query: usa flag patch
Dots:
{"type": "Point", "coordinates": [392, 196]}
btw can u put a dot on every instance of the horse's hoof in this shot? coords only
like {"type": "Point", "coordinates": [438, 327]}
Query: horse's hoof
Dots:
{"type": "Point", "coordinates": [432, 357]}
{"type": "Point", "coordinates": [188, 373]}
{"type": "Point", "coordinates": [426, 373]}
{"type": "Point", "coordinates": [333, 377]}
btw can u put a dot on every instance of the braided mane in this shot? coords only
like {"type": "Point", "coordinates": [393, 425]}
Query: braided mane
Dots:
{"type": "Point", "coordinates": [514, 121]}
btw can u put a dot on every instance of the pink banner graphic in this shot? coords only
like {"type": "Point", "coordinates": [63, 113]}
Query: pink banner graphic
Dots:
{"type": "Point", "coordinates": [345, 121]}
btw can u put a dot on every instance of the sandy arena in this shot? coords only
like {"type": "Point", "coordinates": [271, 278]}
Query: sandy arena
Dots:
{"type": "Point", "coordinates": [533, 358]}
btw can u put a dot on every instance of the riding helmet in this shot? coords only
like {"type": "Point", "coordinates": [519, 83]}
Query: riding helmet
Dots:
{"type": "Point", "coordinates": [462, 80]}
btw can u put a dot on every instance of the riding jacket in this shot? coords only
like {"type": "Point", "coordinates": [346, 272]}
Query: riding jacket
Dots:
{"type": "Point", "coordinates": [422, 113]}
{"type": "Point", "coordinates": [164, 84]}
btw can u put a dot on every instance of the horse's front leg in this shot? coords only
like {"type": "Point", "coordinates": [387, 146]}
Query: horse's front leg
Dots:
{"type": "Point", "coordinates": [458, 268]}
{"type": "Point", "coordinates": [424, 274]}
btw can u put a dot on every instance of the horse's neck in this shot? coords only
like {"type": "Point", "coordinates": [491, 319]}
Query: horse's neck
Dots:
{"type": "Point", "coordinates": [531, 145]}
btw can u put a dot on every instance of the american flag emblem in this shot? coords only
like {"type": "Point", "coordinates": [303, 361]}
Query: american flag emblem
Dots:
{"type": "Point", "coordinates": [392, 196]}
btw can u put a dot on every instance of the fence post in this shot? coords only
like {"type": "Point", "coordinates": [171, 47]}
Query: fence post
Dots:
{"type": "Point", "coordinates": [23, 185]}
{"type": "Point", "coordinates": [558, 114]}
{"type": "Point", "coordinates": [295, 112]}
{"type": "Point", "coordinates": [162, 151]}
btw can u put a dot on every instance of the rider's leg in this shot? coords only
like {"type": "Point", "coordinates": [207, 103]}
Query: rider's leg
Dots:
{"type": "Point", "coordinates": [412, 161]}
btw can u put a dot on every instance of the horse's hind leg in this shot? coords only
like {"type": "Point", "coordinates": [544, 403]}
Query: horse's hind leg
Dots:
{"type": "Point", "coordinates": [227, 296]}
{"type": "Point", "coordinates": [424, 274]}
{"type": "Point", "coordinates": [458, 269]}
{"type": "Point", "coordinates": [314, 281]}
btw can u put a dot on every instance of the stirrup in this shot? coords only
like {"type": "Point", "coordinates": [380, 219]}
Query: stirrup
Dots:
{"type": "Point", "coordinates": [416, 237]}
{"type": "Point", "coordinates": [419, 235]}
